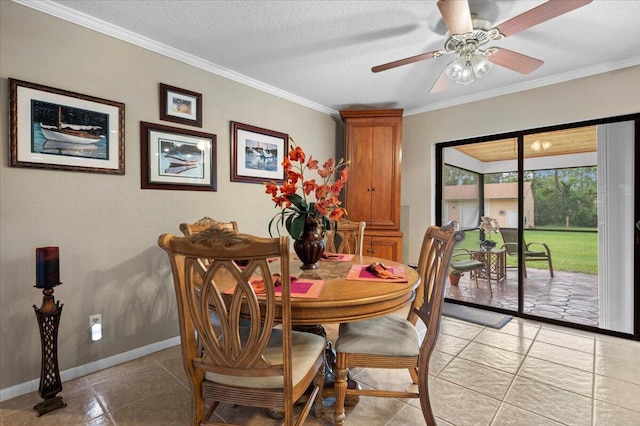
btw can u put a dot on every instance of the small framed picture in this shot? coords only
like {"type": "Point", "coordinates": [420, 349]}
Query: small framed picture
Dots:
{"type": "Point", "coordinates": [177, 159]}
{"type": "Point", "coordinates": [180, 105]}
{"type": "Point", "coordinates": [257, 154]}
{"type": "Point", "coordinates": [57, 129]}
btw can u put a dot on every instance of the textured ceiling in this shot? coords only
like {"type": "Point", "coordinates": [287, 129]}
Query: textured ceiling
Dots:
{"type": "Point", "coordinates": [320, 53]}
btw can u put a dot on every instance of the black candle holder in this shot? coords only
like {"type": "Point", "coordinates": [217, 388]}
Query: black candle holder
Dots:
{"type": "Point", "coordinates": [48, 316]}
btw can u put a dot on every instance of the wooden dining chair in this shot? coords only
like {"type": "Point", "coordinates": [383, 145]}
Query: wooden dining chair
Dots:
{"type": "Point", "coordinates": [346, 238]}
{"type": "Point", "coordinates": [394, 342]}
{"type": "Point", "coordinates": [260, 365]}
{"type": "Point", "coordinates": [189, 229]}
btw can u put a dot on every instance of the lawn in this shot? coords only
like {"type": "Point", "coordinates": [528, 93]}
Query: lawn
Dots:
{"type": "Point", "coordinates": [570, 251]}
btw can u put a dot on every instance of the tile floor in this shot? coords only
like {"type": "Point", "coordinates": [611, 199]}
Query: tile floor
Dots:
{"type": "Point", "coordinates": [567, 296]}
{"type": "Point", "coordinates": [527, 373]}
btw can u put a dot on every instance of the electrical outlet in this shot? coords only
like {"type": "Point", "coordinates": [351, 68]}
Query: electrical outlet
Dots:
{"type": "Point", "coordinates": [95, 319]}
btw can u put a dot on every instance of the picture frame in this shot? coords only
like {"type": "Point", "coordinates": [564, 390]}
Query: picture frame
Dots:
{"type": "Point", "coordinates": [58, 129]}
{"type": "Point", "coordinates": [180, 105]}
{"type": "Point", "coordinates": [177, 159]}
{"type": "Point", "coordinates": [257, 154]}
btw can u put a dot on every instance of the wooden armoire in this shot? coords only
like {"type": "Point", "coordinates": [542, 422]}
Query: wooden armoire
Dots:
{"type": "Point", "coordinates": [373, 144]}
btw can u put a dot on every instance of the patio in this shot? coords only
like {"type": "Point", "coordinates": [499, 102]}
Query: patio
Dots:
{"type": "Point", "coordinates": [568, 296]}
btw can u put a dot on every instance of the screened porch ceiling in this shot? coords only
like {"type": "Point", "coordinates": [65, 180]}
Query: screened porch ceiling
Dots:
{"type": "Point", "coordinates": [547, 144]}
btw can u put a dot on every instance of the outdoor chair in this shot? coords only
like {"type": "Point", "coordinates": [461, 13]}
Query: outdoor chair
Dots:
{"type": "Point", "coordinates": [463, 261]}
{"type": "Point", "coordinates": [510, 238]}
{"type": "Point", "coordinates": [346, 238]}
{"type": "Point", "coordinates": [394, 342]}
{"type": "Point", "coordinates": [260, 365]}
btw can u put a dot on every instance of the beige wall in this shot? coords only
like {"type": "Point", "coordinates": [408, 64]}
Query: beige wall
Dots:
{"type": "Point", "coordinates": [106, 226]}
{"type": "Point", "coordinates": [603, 95]}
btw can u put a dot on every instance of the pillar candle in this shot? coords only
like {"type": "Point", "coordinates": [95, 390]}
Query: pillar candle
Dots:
{"type": "Point", "coordinates": [47, 267]}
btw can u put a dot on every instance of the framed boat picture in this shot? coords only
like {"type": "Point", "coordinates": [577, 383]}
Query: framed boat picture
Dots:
{"type": "Point", "coordinates": [257, 154]}
{"type": "Point", "coordinates": [177, 159]}
{"type": "Point", "coordinates": [57, 129]}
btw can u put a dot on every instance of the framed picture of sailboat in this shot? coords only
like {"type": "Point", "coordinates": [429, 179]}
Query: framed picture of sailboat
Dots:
{"type": "Point", "coordinates": [257, 154]}
{"type": "Point", "coordinates": [174, 158]}
{"type": "Point", "coordinates": [58, 129]}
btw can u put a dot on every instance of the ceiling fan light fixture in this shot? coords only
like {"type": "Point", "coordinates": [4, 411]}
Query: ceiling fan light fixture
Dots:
{"type": "Point", "coordinates": [467, 76]}
{"type": "Point", "coordinates": [481, 66]}
{"type": "Point", "coordinates": [455, 69]}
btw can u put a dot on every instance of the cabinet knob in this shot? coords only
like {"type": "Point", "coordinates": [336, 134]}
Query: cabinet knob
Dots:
{"type": "Point", "coordinates": [371, 189]}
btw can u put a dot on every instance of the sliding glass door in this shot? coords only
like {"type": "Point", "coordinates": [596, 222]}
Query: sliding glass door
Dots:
{"type": "Point", "coordinates": [564, 200]}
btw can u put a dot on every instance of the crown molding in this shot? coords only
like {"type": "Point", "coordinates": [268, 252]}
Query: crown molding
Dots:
{"type": "Point", "coordinates": [84, 20]}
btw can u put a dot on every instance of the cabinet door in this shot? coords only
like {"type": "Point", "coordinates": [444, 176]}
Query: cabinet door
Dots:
{"type": "Point", "coordinates": [358, 190]}
{"type": "Point", "coordinates": [373, 189]}
{"type": "Point", "coordinates": [385, 174]}
{"type": "Point", "coordinates": [383, 247]}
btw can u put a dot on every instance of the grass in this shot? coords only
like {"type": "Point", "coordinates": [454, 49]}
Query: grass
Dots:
{"type": "Point", "coordinates": [570, 251]}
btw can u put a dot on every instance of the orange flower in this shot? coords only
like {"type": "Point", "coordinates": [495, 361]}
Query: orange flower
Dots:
{"type": "Point", "coordinates": [293, 176]}
{"type": "Point", "coordinates": [272, 189]}
{"type": "Point", "coordinates": [312, 164]}
{"type": "Point", "coordinates": [309, 186]}
{"type": "Point", "coordinates": [322, 191]}
{"type": "Point", "coordinates": [288, 189]}
{"type": "Point", "coordinates": [337, 214]}
{"type": "Point", "coordinates": [327, 168]}
{"type": "Point", "coordinates": [297, 154]}
{"type": "Point", "coordinates": [286, 164]}
{"type": "Point", "coordinates": [337, 186]}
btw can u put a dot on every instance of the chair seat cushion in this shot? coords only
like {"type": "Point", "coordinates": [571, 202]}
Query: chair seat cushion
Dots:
{"type": "Point", "coordinates": [467, 265]}
{"type": "Point", "coordinates": [535, 253]}
{"type": "Point", "coordinates": [305, 350]}
{"type": "Point", "coordinates": [389, 335]}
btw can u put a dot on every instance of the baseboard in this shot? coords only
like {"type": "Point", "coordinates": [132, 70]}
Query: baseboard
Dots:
{"type": "Point", "coordinates": [92, 367]}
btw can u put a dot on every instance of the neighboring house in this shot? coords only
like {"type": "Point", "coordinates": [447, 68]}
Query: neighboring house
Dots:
{"type": "Point", "coordinates": [462, 203]}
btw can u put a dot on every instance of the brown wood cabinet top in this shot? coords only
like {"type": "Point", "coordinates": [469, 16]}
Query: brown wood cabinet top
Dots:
{"type": "Point", "coordinates": [355, 113]}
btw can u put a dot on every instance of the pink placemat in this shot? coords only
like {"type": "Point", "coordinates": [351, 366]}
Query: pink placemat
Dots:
{"type": "Point", "coordinates": [334, 257]}
{"type": "Point", "coordinates": [360, 273]}
{"type": "Point", "coordinates": [302, 288]}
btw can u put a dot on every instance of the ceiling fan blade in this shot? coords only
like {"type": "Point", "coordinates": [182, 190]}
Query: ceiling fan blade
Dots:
{"type": "Point", "coordinates": [441, 83]}
{"type": "Point", "coordinates": [405, 61]}
{"type": "Point", "coordinates": [456, 15]}
{"type": "Point", "coordinates": [515, 61]}
{"type": "Point", "coordinates": [539, 14]}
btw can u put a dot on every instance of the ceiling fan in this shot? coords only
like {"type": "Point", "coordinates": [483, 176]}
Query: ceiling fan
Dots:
{"type": "Point", "coordinates": [468, 34]}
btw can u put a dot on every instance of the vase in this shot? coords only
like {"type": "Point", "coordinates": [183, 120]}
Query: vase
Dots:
{"type": "Point", "coordinates": [310, 246]}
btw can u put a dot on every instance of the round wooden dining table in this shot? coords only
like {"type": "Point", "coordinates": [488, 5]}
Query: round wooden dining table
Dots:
{"type": "Point", "coordinates": [343, 300]}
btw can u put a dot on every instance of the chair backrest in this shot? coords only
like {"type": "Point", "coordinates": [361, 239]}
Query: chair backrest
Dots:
{"type": "Point", "coordinates": [189, 229]}
{"type": "Point", "coordinates": [225, 289]}
{"type": "Point", "coordinates": [510, 238]}
{"type": "Point", "coordinates": [435, 257]}
{"type": "Point", "coordinates": [346, 238]}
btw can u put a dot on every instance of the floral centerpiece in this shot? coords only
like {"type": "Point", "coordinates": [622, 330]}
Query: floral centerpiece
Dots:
{"type": "Point", "coordinates": [307, 202]}
{"type": "Point", "coordinates": [308, 205]}
{"type": "Point", "coordinates": [488, 226]}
